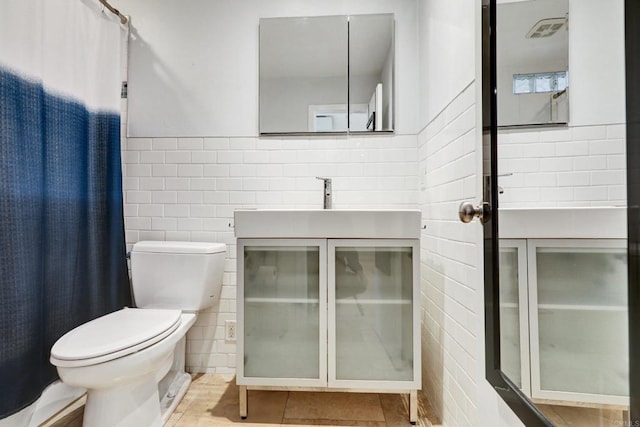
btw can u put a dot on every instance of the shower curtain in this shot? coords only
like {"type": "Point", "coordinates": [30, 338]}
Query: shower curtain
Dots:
{"type": "Point", "coordinates": [62, 250]}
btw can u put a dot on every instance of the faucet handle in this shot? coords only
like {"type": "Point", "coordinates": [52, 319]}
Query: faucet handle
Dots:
{"type": "Point", "coordinates": [327, 204]}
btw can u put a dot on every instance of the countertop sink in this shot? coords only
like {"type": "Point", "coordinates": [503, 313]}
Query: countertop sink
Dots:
{"type": "Point", "coordinates": [606, 222]}
{"type": "Point", "coordinates": [330, 223]}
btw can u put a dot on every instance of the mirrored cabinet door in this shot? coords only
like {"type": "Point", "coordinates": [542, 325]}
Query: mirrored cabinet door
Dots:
{"type": "Point", "coordinates": [371, 72]}
{"type": "Point", "coordinates": [283, 311]}
{"type": "Point", "coordinates": [372, 311]}
{"type": "Point", "coordinates": [327, 74]}
{"type": "Point", "coordinates": [303, 74]}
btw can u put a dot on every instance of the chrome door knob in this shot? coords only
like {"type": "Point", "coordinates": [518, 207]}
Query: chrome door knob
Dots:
{"type": "Point", "coordinates": [467, 211]}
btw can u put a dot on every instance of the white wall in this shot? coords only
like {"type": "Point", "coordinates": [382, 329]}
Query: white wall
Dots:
{"type": "Point", "coordinates": [563, 167]}
{"type": "Point", "coordinates": [451, 277]}
{"type": "Point", "coordinates": [188, 188]}
{"type": "Point", "coordinates": [446, 54]}
{"type": "Point", "coordinates": [596, 62]}
{"type": "Point", "coordinates": [450, 163]}
{"type": "Point", "coordinates": [194, 63]}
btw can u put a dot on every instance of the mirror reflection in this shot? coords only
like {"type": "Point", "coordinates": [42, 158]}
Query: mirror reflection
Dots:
{"type": "Point", "coordinates": [303, 74]}
{"type": "Point", "coordinates": [533, 62]}
{"type": "Point", "coordinates": [563, 276]}
{"type": "Point", "coordinates": [371, 72]}
{"type": "Point", "coordinates": [331, 74]}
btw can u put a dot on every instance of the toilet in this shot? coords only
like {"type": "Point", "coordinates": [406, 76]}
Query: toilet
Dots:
{"type": "Point", "coordinates": [132, 361]}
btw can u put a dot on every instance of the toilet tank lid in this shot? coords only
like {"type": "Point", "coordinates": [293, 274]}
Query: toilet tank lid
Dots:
{"type": "Point", "coordinates": [179, 247]}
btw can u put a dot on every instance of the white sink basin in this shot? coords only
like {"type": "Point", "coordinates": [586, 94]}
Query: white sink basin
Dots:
{"type": "Point", "coordinates": [563, 223]}
{"type": "Point", "coordinates": [333, 223]}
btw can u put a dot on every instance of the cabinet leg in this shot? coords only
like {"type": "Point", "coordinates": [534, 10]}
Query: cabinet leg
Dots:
{"type": "Point", "coordinates": [413, 406]}
{"type": "Point", "coordinates": [244, 404]}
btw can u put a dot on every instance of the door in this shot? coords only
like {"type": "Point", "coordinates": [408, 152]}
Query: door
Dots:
{"type": "Point", "coordinates": [282, 312]}
{"type": "Point", "coordinates": [578, 319]}
{"type": "Point", "coordinates": [558, 164]}
{"type": "Point", "coordinates": [373, 315]}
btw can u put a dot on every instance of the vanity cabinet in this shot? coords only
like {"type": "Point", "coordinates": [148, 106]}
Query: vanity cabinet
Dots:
{"type": "Point", "coordinates": [564, 317]}
{"type": "Point", "coordinates": [282, 312]}
{"type": "Point", "coordinates": [373, 314]}
{"type": "Point", "coordinates": [328, 315]}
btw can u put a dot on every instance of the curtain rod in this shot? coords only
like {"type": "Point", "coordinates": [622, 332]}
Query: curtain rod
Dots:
{"type": "Point", "coordinates": [123, 19]}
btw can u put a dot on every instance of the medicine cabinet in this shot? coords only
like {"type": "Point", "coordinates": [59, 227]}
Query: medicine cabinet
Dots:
{"type": "Point", "coordinates": [326, 74]}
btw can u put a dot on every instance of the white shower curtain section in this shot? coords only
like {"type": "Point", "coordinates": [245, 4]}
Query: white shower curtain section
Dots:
{"type": "Point", "coordinates": [72, 47]}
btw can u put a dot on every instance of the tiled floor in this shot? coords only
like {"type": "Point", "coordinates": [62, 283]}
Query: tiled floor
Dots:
{"type": "Point", "coordinates": [567, 416]}
{"type": "Point", "coordinates": [212, 400]}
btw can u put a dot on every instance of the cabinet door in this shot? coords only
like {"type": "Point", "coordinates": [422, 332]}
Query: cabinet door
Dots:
{"type": "Point", "coordinates": [374, 324]}
{"type": "Point", "coordinates": [282, 312]}
{"type": "Point", "coordinates": [578, 303]}
{"type": "Point", "coordinates": [514, 313]}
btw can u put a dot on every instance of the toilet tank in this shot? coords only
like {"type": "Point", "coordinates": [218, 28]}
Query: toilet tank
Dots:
{"type": "Point", "coordinates": [179, 275]}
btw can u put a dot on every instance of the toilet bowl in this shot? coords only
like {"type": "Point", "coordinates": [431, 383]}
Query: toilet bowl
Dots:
{"type": "Point", "coordinates": [132, 361]}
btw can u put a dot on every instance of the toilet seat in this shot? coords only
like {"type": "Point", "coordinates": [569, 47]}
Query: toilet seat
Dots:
{"type": "Point", "coordinates": [114, 335]}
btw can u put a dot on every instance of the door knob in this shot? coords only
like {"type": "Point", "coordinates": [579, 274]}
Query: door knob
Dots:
{"type": "Point", "coordinates": [467, 211]}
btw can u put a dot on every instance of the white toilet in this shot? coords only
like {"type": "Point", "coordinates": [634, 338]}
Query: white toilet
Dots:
{"type": "Point", "coordinates": [132, 361]}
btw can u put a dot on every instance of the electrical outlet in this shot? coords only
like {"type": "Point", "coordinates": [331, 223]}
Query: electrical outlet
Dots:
{"type": "Point", "coordinates": [230, 330]}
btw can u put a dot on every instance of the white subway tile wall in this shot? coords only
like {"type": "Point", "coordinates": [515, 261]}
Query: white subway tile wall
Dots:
{"type": "Point", "coordinates": [188, 188]}
{"type": "Point", "coordinates": [449, 307]}
{"type": "Point", "coordinates": [568, 167]}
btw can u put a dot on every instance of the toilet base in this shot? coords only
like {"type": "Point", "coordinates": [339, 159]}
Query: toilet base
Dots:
{"type": "Point", "coordinates": [140, 389]}
{"type": "Point", "coordinates": [174, 395]}
{"type": "Point", "coordinates": [133, 405]}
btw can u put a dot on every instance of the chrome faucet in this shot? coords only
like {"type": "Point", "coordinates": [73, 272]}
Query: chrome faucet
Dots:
{"type": "Point", "coordinates": [327, 192]}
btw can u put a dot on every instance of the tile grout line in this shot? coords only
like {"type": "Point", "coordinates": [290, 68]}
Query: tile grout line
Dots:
{"type": "Point", "coordinates": [384, 413]}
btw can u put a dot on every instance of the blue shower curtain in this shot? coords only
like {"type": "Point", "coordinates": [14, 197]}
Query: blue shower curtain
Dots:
{"type": "Point", "coordinates": [62, 249]}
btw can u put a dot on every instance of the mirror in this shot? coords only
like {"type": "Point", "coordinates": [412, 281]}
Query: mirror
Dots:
{"type": "Point", "coordinates": [371, 53]}
{"type": "Point", "coordinates": [303, 75]}
{"type": "Point", "coordinates": [563, 301]}
{"type": "Point", "coordinates": [331, 74]}
{"type": "Point", "coordinates": [533, 63]}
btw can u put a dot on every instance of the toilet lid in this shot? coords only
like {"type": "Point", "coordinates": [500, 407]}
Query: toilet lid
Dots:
{"type": "Point", "coordinates": [115, 335]}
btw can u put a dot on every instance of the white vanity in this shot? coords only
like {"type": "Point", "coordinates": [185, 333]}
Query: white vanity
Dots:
{"type": "Point", "coordinates": [328, 300]}
{"type": "Point", "coordinates": [563, 304]}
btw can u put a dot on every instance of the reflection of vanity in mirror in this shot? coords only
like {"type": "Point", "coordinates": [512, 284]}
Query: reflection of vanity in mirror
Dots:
{"type": "Point", "coordinates": [327, 74]}
{"type": "Point", "coordinates": [533, 62]}
{"type": "Point", "coordinates": [563, 264]}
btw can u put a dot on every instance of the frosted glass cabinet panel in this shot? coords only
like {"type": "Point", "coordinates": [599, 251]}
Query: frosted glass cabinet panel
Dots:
{"type": "Point", "coordinates": [283, 311]}
{"type": "Point", "coordinates": [579, 312]}
{"type": "Point", "coordinates": [514, 322]}
{"type": "Point", "coordinates": [371, 324]}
